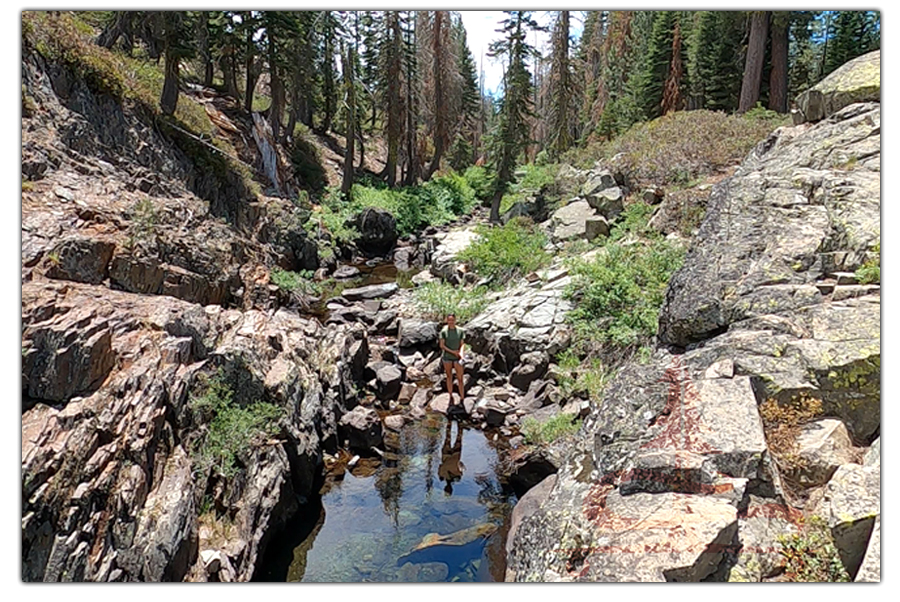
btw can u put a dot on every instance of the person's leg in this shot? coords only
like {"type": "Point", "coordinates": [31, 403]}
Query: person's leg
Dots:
{"type": "Point", "coordinates": [448, 369]}
{"type": "Point", "coordinates": [459, 380]}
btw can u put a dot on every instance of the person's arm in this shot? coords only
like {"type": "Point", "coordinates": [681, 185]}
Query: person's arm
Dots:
{"type": "Point", "coordinates": [462, 343]}
{"type": "Point", "coordinates": [441, 342]}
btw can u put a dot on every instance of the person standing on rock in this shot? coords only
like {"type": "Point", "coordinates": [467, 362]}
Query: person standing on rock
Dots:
{"type": "Point", "coordinates": [452, 340]}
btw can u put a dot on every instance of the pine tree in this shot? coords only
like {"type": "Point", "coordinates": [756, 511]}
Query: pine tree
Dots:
{"type": "Point", "coordinates": [350, 98]}
{"type": "Point", "coordinates": [178, 45]}
{"type": "Point", "coordinates": [855, 34]}
{"type": "Point", "coordinates": [512, 135]}
{"type": "Point", "coordinates": [560, 89]}
{"type": "Point", "coordinates": [657, 64]}
{"type": "Point", "coordinates": [441, 62]}
{"type": "Point", "coordinates": [672, 97]}
{"type": "Point", "coordinates": [328, 26]}
{"type": "Point", "coordinates": [778, 79]}
{"type": "Point", "coordinates": [714, 60]}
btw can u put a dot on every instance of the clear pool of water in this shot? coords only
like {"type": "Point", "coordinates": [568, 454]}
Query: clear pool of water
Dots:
{"type": "Point", "coordinates": [436, 480]}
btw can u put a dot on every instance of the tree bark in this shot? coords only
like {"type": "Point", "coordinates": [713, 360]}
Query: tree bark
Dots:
{"type": "Point", "coordinates": [168, 100]}
{"type": "Point", "coordinates": [350, 137]}
{"type": "Point", "coordinates": [393, 96]}
{"type": "Point", "coordinates": [440, 105]}
{"type": "Point", "coordinates": [203, 44]}
{"type": "Point", "coordinates": [249, 68]}
{"type": "Point", "coordinates": [778, 79]}
{"type": "Point", "coordinates": [753, 67]}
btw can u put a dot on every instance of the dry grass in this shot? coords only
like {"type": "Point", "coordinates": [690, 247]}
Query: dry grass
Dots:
{"type": "Point", "coordinates": [782, 422]}
{"type": "Point", "coordinates": [683, 146]}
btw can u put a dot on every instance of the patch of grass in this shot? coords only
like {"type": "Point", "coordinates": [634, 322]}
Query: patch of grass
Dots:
{"type": "Point", "coordinates": [233, 430]}
{"type": "Point", "coordinates": [586, 378]}
{"type": "Point", "coordinates": [27, 186]}
{"type": "Point", "coordinates": [618, 294]}
{"type": "Point", "coordinates": [633, 221]}
{"type": "Point", "coordinates": [870, 271]}
{"type": "Point", "coordinates": [683, 145]}
{"type": "Point", "coordinates": [438, 299]}
{"type": "Point", "coordinates": [810, 555]}
{"type": "Point", "coordinates": [503, 253]}
{"type": "Point", "coordinates": [294, 282]}
{"type": "Point", "coordinates": [544, 433]}
{"type": "Point", "coordinates": [781, 424]}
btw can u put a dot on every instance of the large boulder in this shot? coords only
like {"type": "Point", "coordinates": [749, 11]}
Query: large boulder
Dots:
{"type": "Point", "coordinates": [850, 506]}
{"type": "Point", "coordinates": [858, 80]}
{"type": "Point", "coordinates": [377, 231]}
{"type": "Point", "coordinates": [417, 332]}
{"type": "Point", "coordinates": [527, 318]}
{"type": "Point", "coordinates": [569, 222]}
{"type": "Point", "coordinates": [804, 205]}
{"type": "Point", "coordinates": [362, 428]}
{"type": "Point", "coordinates": [822, 447]}
{"type": "Point", "coordinates": [373, 291]}
{"type": "Point", "coordinates": [387, 382]}
{"type": "Point", "coordinates": [444, 264]}
{"type": "Point", "coordinates": [532, 366]}
{"type": "Point", "coordinates": [81, 258]}
{"type": "Point", "coordinates": [870, 570]}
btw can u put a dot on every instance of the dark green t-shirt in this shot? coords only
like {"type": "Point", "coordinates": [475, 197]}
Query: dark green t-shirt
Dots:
{"type": "Point", "coordinates": [452, 340]}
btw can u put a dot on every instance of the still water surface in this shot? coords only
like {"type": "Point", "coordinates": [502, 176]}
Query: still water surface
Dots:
{"type": "Point", "coordinates": [437, 480]}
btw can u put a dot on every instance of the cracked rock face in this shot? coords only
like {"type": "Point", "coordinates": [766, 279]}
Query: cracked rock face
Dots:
{"type": "Point", "coordinates": [670, 477]}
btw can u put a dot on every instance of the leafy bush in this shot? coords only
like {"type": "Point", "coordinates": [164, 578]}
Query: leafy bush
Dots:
{"type": "Point", "coordinates": [438, 299]}
{"type": "Point", "coordinates": [232, 429]}
{"type": "Point", "coordinates": [534, 178]}
{"type": "Point", "coordinates": [293, 282]}
{"type": "Point", "coordinates": [438, 201]}
{"type": "Point", "coordinates": [481, 181]}
{"type": "Point", "coordinates": [618, 294]}
{"type": "Point", "coordinates": [502, 253]}
{"type": "Point", "coordinates": [870, 271]}
{"type": "Point", "coordinates": [306, 160]}
{"type": "Point", "coordinates": [588, 378]}
{"type": "Point", "coordinates": [811, 556]}
{"type": "Point", "coordinates": [549, 431]}
{"type": "Point", "coordinates": [634, 220]}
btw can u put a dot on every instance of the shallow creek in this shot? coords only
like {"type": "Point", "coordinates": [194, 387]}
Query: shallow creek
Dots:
{"type": "Point", "coordinates": [370, 518]}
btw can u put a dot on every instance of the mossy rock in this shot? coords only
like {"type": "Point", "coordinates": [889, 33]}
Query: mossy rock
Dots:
{"type": "Point", "coordinates": [858, 80]}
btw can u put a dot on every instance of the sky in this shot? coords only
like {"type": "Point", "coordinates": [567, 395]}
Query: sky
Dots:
{"type": "Point", "coordinates": [481, 26]}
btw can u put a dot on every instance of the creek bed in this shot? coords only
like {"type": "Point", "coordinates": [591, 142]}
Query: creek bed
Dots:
{"type": "Point", "coordinates": [369, 519]}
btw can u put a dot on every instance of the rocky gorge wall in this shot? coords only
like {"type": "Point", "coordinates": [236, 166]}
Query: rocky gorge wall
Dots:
{"type": "Point", "coordinates": [136, 291]}
{"type": "Point", "coordinates": [672, 477]}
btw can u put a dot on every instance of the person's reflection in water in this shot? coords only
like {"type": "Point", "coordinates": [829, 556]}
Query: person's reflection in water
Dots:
{"type": "Point", "coordinates": [451, 467]}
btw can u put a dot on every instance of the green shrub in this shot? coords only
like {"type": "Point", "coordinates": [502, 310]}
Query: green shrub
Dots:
{"type": "Point", "coordinates": [306, 160]}
{"type": "Point", "coordinates": [293, 282]}
{"type": "Point", "coordinates": [481, 181]}
{"type": "Point", "coordinates": [233, 430]}
{"type": "Point", "coordinates": [870, 271]}
{"type": "Point", "coordinates": [438, 299]}
{"type": "Point", "coordinates": [619, 293]}
{"type": "Point", "coordinates": [552, 430]}
{"type": "Point", "coordinates": [534, 178]}
{"type": "Point", "coordinates": [583, 378]}
{"type": "Point", "coordinates": [811, 556]}
{"type": "Point", "coordinates": [503, 253]}
{"type": "Point", "coordinates": [436, 202]}
{"type": "Point", "coordinates": [633, 220]}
